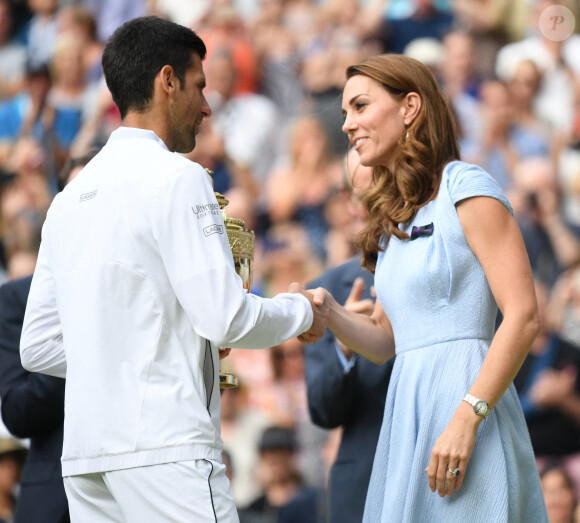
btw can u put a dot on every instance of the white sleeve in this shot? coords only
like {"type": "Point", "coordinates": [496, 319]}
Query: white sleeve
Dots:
{"type": "Point", "coordinates": [41, 343]}
{"type": "Point", "coordinates": [192, 240]}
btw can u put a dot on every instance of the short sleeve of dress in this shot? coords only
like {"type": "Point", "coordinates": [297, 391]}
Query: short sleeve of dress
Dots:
{"type": "Point", "coordinates": [465, 180]}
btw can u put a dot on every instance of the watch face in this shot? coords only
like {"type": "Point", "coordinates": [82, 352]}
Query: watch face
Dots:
{"type": "Point", "coordinates": [480, 407]}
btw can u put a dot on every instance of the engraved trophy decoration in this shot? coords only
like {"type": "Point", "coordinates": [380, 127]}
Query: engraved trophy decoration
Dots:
{"type": "Point", "coordinates": [242, 245]}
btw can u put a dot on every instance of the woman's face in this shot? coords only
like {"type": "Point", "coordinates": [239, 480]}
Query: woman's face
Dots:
{"type": "Point", "coordinates": [558, 495]}
{"type": "Point", "coordinates": [373, 120]}
{"type": "Point", "coordinates": [524, 84]}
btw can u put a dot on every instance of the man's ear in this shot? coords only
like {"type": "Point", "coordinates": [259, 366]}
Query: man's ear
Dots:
{"type": "Point", "coordinates": [167, 79]}
{"type": "Point", "coordinates": [410, 107]}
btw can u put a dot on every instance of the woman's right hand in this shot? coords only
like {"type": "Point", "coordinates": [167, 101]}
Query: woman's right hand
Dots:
{"type": "Point", "coordinates": [452, 450]}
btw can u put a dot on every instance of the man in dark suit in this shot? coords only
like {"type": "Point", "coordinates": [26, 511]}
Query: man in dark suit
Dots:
{"type": "Point", "coordinates": [32, 407]}
{"type": "Point", "coordinates": [345, 389]}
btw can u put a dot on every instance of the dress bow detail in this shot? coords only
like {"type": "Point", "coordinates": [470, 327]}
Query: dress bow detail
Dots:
{"type": "Point", "coordinates": [423, 230]}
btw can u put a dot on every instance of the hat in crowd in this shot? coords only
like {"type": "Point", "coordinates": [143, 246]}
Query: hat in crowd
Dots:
{"type": "Point", "coordinates": [427, 50]}
{"type": "Point", "coordinates": [11, 446]}
{"type": "Point", "coordinates": [277, 438]}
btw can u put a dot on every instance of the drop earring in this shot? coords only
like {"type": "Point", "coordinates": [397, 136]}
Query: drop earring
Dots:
{"type": "Point", "coordinates": [406, 135]}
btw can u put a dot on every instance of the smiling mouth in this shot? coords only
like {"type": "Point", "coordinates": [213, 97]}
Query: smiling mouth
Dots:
{"type": "Point", "coordinates": [359, 142]}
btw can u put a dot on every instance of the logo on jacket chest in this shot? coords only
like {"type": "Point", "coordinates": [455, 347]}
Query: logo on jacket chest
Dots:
{"type": "Point", "coordinates": [204, 210]}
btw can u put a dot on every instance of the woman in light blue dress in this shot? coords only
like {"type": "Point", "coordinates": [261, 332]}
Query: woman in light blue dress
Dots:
{"type": "Point", "coordinates": [446, 252]}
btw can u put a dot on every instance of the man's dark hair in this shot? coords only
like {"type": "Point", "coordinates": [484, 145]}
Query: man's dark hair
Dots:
{"type": "Point", "coordinates": [138, 50]}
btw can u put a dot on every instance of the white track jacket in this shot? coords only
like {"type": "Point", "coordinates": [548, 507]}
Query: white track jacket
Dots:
{"type": "Point", "coordinates": [134, 291]}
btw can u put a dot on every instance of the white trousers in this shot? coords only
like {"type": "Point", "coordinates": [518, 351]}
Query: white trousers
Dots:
{"type": "Point", "coordinates": [195, 491]}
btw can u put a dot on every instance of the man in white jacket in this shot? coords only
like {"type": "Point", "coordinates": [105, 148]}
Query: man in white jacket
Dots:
{"type": "Point", "coordinates": [135, 290]}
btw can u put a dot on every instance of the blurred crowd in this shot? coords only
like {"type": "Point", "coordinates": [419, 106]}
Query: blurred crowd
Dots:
{"type": "Point", "coordinates": [275, 72]}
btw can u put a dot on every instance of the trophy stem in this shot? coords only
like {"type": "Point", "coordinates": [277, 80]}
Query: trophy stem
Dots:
{"type": "Point", "coordinates": [228, 380]}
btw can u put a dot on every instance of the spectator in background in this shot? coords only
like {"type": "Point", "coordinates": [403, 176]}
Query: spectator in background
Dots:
{"type": "Point", "coordinates": [567, 158]}
{"type": "Point", "coordinates": [549, 391]}
{"type": "Point", "coordinates": [428, 51]}
{"type": "Point", "coordinates": [298, 190]}
{"type": "Point", "coordinates": [561, 500]}
{"type": "Point", "coordinates": [210, 152]}
{"type": "Point", "coordinates": [489, 21]}
{"type": "Point", "coordinates": [241, 429]}
{"type": "Point", "coordinates": [489, 24]}
{"type": "Point", "coordinates": [426, 20]}
{"type": "Point", "coordinates": [504, 141]}
{"type": "Point", "coordinates": [456, 70]}
{"type": "Point", "coordinates": [110, 14]}
{"type": "Point", "coordinates": [564, 307]}
{"type": "Point", "coordinates": [224, 31]}
{"type": "Point", "coordinates": [524, 86]}
{"type": "Point", "coordinates": [278, 57]}
{"type": "Point", "coordinates": [287, 256]}
{"type": "Point", "coordinates": [189, 14]}
{"type": "Point", "coordinates": [99, 122]}
{"type": "Point", "coordinates": [344, 389]}
{"type": "Point", "coordinates": [280, 479]}
{"type": "Point", "coordinates": [12, 54]}
{"type": "Point", "coordinates": [21, 115]}
{"type": "Point", "coordinates": [556, 59]}
{"type": "Point", "coordinates": [303, 19]}
{"type": "Point", "coordinates": [461, 84]}
{"type": "Point", "coordinates": [42, 32]}
{"type": "Point", "coordinates": [551, 243]}
{"type": "Point", "coordinates": [324, 63]}
{"type": "Point", "coordinates": [69, 100]}
{"type": "Point", "coordinates": [72, 100]}
{"type": "Point", "coordinates": [78, 22]}
{"type": "Point", "coordinates": [12, 455]}
{"type": "Point", "coordinates": [286, 405]}
{"type": "Point", "coordinates": [23, 205]}
{"type": "Point", "coordinates": [247, 124]}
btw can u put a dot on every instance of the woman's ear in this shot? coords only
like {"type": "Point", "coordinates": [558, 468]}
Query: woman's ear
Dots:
{"type": "Point", "coordinates": [410, 107]}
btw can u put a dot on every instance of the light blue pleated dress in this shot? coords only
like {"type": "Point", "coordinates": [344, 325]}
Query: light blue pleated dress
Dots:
{"type": "Point", "coordinates": [435, 293]}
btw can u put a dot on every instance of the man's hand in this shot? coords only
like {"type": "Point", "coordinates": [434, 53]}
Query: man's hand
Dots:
{"type": "Point", "coordinates": [318, 299]}
{"type": "Point", "coordinates": [355, 304]}
{"type": "Point", "coordinates": [553, 387]}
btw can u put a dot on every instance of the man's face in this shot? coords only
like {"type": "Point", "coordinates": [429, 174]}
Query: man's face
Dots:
{"type": "Point", "coordinates": [221, 75]}
{"type": "Point", "coordinates": [276, 465]}
{"type": "Point", "coordinates": [189, 108]}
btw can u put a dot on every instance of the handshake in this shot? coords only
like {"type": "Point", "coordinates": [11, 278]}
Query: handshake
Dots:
{"type": "Point", "coordinates": [320, 300]}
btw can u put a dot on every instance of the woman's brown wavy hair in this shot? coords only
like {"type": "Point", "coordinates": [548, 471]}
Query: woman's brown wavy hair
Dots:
{"type": "Point", "coordinates": [424, 148]}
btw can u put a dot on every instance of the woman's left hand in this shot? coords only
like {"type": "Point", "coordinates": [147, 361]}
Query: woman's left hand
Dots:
{"type": "Point", "coordinates": [452, 451]}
